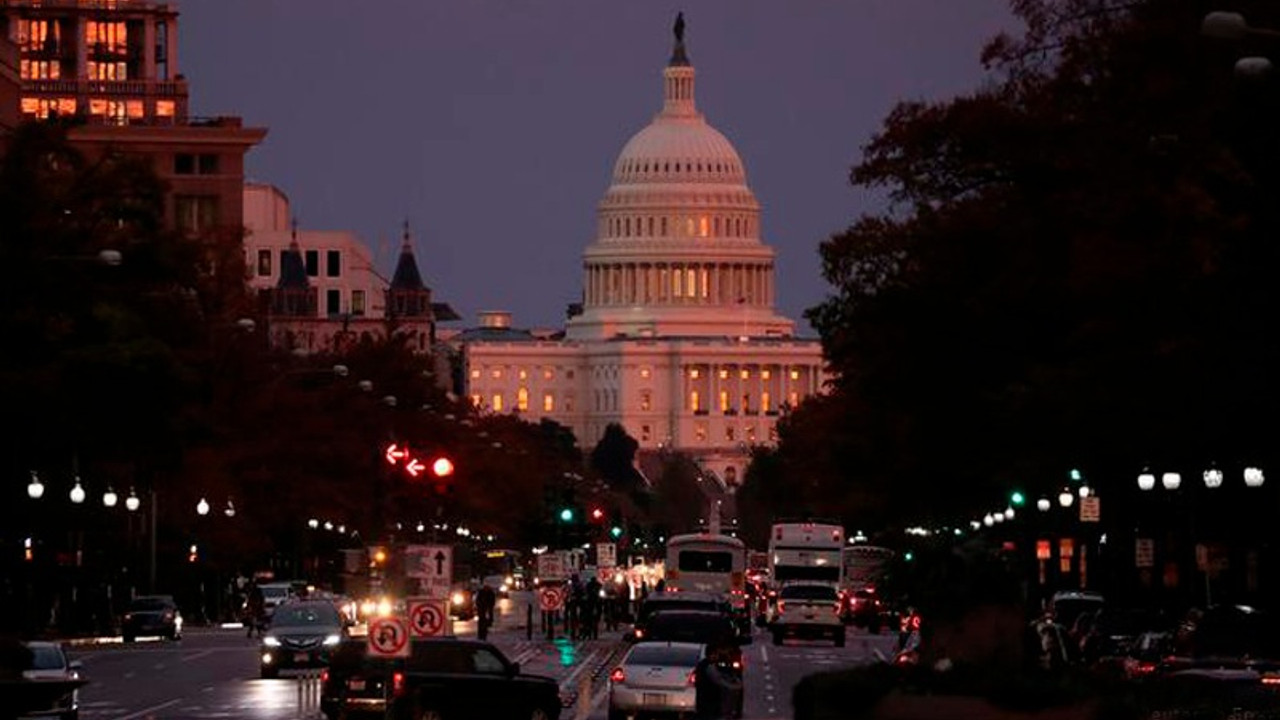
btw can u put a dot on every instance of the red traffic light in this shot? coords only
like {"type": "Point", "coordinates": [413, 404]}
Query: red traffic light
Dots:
{"type": "Point", "coordinates": [442, 467]}
{"type": "Point", "coordinates": [597, 514]}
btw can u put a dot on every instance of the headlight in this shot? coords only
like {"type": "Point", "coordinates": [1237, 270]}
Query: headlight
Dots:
{"type": "Point", "coordinates": [271, 641]}
{"type": "Point", "coordinates": [458, 598]}
{"type": "Point", "coordinates": [384, 607]}
{"type": "Point", "coordinates": [504, 588]}
{"type": "Point", "coordinates": [508, 581]}
{"type": "Point", "coordinates": [266, 658]}
{"type": "Point", "coordinates": [368, 607]}
{"type": "Point", "coordinates": [332, 639]}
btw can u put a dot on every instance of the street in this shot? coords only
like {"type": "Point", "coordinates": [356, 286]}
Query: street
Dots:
{"type": "Point", "coordinates": [213, 673]}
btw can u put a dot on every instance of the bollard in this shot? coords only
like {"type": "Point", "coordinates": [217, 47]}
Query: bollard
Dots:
{"type": "Point", "coordinates": [528, 621]}
{"type": "Point", "coordinates": [584, 697]}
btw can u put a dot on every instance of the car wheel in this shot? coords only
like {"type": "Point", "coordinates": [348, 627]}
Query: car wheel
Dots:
{"type": "Point", "coordinates": [270, 673]}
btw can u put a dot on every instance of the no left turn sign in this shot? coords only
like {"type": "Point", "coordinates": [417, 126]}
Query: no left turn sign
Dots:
{"type": "Point", "coordinates": [427, 617]}
{"type": "Point", "coordinates": [550, 599]}
{"type": "Point", "coordinates": [388, 637]}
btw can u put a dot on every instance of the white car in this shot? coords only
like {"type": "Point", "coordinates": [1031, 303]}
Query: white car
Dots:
{"type": "Point", "coordinates": [807, 610]}
{"type": "Point", "coordinates": [656, 677]}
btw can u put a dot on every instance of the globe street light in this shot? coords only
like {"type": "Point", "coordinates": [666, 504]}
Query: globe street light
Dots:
{"type": "Point", "coordinates": [202, 507]}
{"type": "Point", "coordinates": [77, 492]}
{"type": "Point", "coordinates": [1253, 477]}
{"type": "Point", "coordinates": [1065, 498]}
{"type": "Point", "coordinates": [109, 498]}
{"type": "Point", "coordinates": [1146, 480]}
{"type": "Point", "coordinates": [1084, 491]}
{"type": "Point", "coordinates": [35, 488]}
{"type": "Point", "coordinates": [313, 523]}
{"type": "Point", "coordinates": [231, 509]}
{"type": "Point", "coordinates": [1008, 513]}
{"type": "Point", "coordinates": [1171, 480]}
{"type": "Point", "coordinates": [1043, 504]}
{"type": "Point", "coordinates": [132, 503]}
{"type": "Point", "coordinates": [989, 520]}
{"type": "Point", "coordinates": [1213, 478]}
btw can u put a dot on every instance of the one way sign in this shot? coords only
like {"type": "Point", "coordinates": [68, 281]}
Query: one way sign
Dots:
{"type": "Point", "coordinates": [433, 566]}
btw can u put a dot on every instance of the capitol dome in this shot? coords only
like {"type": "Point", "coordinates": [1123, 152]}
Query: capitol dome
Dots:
{"type": "Point", "coordinates": [677, 248]}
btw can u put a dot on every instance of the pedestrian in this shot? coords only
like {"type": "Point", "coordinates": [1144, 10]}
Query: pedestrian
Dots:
{"type": "Point", "coordinates": [255, 610]}
{"type": "Point", "coordinates": [486, 599]}
{"type": "Point", "coordinates": [591, 603]}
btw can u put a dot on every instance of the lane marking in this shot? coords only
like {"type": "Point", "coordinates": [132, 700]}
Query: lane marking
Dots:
{"type": "Point", "coordinates": [147, 711]}
{"type": "Point", "coordinates": [764, 654]}
{"type": "Point", "coordinates": [197, 655]}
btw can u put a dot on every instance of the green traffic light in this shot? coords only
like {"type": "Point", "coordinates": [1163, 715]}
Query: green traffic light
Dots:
{"type": "Point", "coordinates": [566, 515]}
{"type": "Point", "coordinates": [909, 556]}
{"type": "Point", "coordinates": [1017, 498]}
{"type": "Point", "coordinates": [615, 531]}
{"type": "Point", "coordinates": [1075, 475]}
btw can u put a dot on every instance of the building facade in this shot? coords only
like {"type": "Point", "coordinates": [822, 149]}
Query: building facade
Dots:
{"type": "Point", "coordinates": [677, 338]}
{"type": "Point", "coordinates": [10, 88]}
{"type": "Point", "coordinates": [321, 289]}
{"type": "Point", "coordinates": [108, 70]}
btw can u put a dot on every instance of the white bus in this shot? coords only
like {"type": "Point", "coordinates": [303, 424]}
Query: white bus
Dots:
{"type": "Point", "coordinates": [704, 562]}
{"type": "Point", "coordinates": [806, 551]}
{"type": "Point", "coordinates": [866, 566]}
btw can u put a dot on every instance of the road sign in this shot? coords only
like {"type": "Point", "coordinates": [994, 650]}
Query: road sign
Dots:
{"type": "Point", "coordinates": [433, 565]}
{"type": "Point", "coordinates": [388, 637]}
{"type": "Point", "coordinates": [605, 575]}
{"type": "Point", "coordinates": [1144, 553]}
{"type": "Point", "coordinates": [551, 598]}
{"type": "Point", "coordinates": [1090, 509]}
{"type": "Point", "coordinates": [427, 616]}
{"type": "Point", "coordinates": [1066, 547]}
{"type": "Point", "coordinates": [551, 567]}
{"type": "Point", "coordinates": [606, 555]}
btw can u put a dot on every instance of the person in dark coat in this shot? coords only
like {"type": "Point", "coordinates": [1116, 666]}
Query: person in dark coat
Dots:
{"type": "Point", "coordinates": [486, 599]}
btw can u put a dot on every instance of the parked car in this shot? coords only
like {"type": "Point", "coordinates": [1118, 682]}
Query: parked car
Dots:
{"type": "Point", "coordinates": [49, 663]}
{"type": "Point", "coordinates": [302, 634]}
{"type": "Point", "coordinates": [1065, 606]}
{"type": "Point", "coordinates": [151, 615]}
{"type": "Point", "coordinates": [807, 610]}
{"type": "Point", "coordinates": [442, 677]}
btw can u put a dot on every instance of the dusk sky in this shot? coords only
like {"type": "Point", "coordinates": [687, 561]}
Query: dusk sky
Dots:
{"type": "Point", "coordinates": [493, 125]}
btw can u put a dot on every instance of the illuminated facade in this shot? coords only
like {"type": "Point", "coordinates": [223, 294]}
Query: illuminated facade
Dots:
{"type": "Point", "coordinates": [677, 339]}
{"type": "Point", "coordinates": [320, 289]}
{"type": "Point", "coordinates": [109, 69]}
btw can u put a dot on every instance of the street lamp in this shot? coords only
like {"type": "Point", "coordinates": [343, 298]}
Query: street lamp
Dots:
{"type": "Point", "coordinates": [1146, 480]}
{"type": "Point", "coordinates": [1171, 480]}
{"type": "Point", "coordinates": [132, 503]}
{"type": "Point", "coordinates": [109, 498]}
{"type": "Point", "coordinates": [1008, 513]}
{"type": "Point", "coordinates": [1213, 478]}
{"type": "Point", "coordinates": [313, 523]}
{"type": "Point", "coordinates": [77, 492]}
{"type": "Point", "coordinates": [231, 509]}
{"type": "Point", "coordinates": [1043, 504]}
{"type": "Point", "coordinates": [35, 488]}
{"type": "Point", "coordinates": [1065, 498]}
{"type": "Point", "coordinates": [1253, 477]}
{"type": "Point", "coordinates": [202, 507]}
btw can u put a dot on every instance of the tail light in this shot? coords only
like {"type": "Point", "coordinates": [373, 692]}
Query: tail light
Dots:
{"type": "Point", "coordinates": [782, 604]}
{"type": "Point", "coordinates": [1273, 680]}
{"type": "Point", "coordinates": [397, 684]}
{"type": "Point", "coordinates": [639, 633]}
{"type": "Point", "coordinates": [617, 675]}
{"type": "Point", "coordinates": [693, 678]}
{"type": "Point", "coordinates": [324, 676]}
{"type": "Point", "coordinates": [1144, 668]}
{"type": "Point", "coordinates": [738, 665]}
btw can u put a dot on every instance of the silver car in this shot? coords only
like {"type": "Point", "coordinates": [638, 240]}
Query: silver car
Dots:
{"type": "Point", "coordinates": [656, 677]}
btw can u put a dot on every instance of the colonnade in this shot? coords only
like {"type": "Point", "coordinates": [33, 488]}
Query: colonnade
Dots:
{"type": "Point", "coordinates": [713, 283]}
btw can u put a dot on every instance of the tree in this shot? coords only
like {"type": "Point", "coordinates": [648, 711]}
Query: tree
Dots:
{"type": "Point", "coordinates": [1071, 255]}
{"type": "Point", "coordinates": [614, 458]}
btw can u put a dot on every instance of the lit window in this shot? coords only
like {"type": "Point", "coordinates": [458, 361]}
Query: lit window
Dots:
{"type": "Point", "coordinates": [166, 108]}
{"type": "Point", "coordinates": [644, 433]}
{"type": "Point", "coordinates": [695, 402]}
{"type": "Point", "coordinates": [700, 432]}
{"type": "Point", "coordinates": [677, 283]}
{"type": "Point", "coordinates": [724, 374]}
{"type": "Point", "coordinates": [765, 401]}
{"type": "Point", "coordinates": [548, 374]}
{"type": "Point", "coordinates": [704, 226]}
{"type": "Point", "coordinates": [264, 263]}
{"type": "Point", "coordinates": [475, 374]}
{"type": "Point", "coordinates": [357, 302]}
{"type": "Point", "coordinates": [134, 109]}
{"type": "Point", "coordinates": [497, 402]}
{"type": "Point", "coordinates": [524, 374]}
{"type": "Point", "coordinates": [694, 373]}
{"type": "Point", "coordinates": [744, 374]}
{"type": "Point", "coordinates": [795, 374]}
{"type": "Point", "coordinates": [495, 373]}
{"type": "Point", "coordinates": [706, 283]}
{"type": "Point", "coordinates": [765, 374]}
{"type": "Point", "coordinates": [646, 400]}
{"type": "Point", "coordinates": [724, 401]}
{"type": "Point", "coordinates": [476, 401]}
{"type": "Point", "coordinates": [522, 399]}
{"type": "Point", "coordinates": [793, 398]}
{"type": "Point", "coordinates": [645, 372]}
{"type": "Point", "coordinates": [548, 403]}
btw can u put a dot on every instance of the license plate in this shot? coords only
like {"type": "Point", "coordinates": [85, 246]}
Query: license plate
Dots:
{"type": "Point", "coordinates": [301, 657]}
{"type": "Point", "coordinates": [355, 684]}
{"type": "Point", "coordinates": [653, 698]}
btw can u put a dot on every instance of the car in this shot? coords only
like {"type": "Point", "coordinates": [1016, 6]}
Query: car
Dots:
{"type": "Point", "coordinates": [656, 677]}
{"type": "Point", "coordinates": [442, 677]}
{"type": "Point", "coordinates": [862, 608]}
{"type": "Point", "coordinates": [151, 615]}
{"type": "Point", "coordinates": [275, 593]}
{"type": "Point", "coordinates": [664, 601]}
{"type": "Point", "coordinates": [807, 610]}
{"type": "Point", "coordinates": [302, 634]}
{"type": "Point", "coordinates": [502, 584]}
{"type": "Point", "coordinates": [462, 602]}
{"type": "Point", "coordinates": [49, 663]}
{"type": "Point", "coordinates": [1066, 606]}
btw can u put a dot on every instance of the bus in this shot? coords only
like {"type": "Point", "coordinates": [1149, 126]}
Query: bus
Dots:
{"type": "Point", "coordinates": [806, 552]}
{"type": "Point", "coordinates": [866, 567]}
{"type": "Point", "coordinates": [704, 562]}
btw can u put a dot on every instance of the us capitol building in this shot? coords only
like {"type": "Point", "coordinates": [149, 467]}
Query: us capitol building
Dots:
{"type": "Point", "coordinates": [677, 339]}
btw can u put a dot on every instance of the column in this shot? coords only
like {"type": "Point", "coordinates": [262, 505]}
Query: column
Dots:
{"type": "Point", "coordinates": [81, 28]}
{"type": "Point", "coordinates": [149, 51]}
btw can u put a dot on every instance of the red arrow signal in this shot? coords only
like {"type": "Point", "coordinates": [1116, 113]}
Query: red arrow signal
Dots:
{"type": "Point", "coordinates": [395, 453]}
{"type": "Point", "coordinates": [414, 467]}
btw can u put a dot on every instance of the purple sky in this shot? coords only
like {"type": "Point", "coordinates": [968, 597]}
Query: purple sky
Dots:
{"type": "Point", "coordinates": [493, 125]}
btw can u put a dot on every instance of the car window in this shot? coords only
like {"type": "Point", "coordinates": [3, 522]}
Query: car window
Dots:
{"type": "Point", "coordinates": [663, 655]}
{"type": "Point", "coordinates": [705, 561]}
{"type": "Point", "coordinates": [649, 608]}
{"type": "Point", "coordinates": [486, 662]}
{"type": "Point", "coordinates": [146, 604]}
{"type": "Point", "coordinates": [275, 592]}
{"type": "Point", "coordinates": [683, 627]}
{"type": "Point", "coordinates": [306, 615]}
{"type": "Point", "coordinates": [47, 657]}
{"type": "Point", "coordinates": [808, 592]}
{"type": "Point", "coordinates": [442, 658]}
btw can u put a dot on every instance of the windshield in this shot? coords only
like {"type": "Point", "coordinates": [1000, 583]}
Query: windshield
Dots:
{"type": "Point", "coordinates": [706, 561]}
{"type": "Point", "coordinates": [820, 573]}
{"type": "Point", "coordinates": [652, 607]}
{"type": "Point", "coordinates": [145, 604]}
{"type": "Point", "coordinates": [808, 592]}
{"type": "Point", "coordinates": [663, 655]}
{"type": "Point", "coordinates": [275, 592]}
{"type": "Point", "coordinates": [690, 627]}
{"type": "Point", "coordinates": [47, 657]}
{"type": "Point", "coordinates": [306, 615]}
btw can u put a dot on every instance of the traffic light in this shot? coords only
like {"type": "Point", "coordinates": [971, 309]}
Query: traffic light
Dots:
{"type": "Point", "coordinates": [193, 553]}
{"type": "Point", "coordinates": [566, 515]}
{"type": "Point", "coordinates": [1076, 476]}
{"type": "Point", "coordinates": [615, 532]}
{"type": "Point", "coordinates": [1017, 499]}
{"type": "Point", "coordinates": [597, 514]}
{"type": "Point", "coordinates": [442, 467]}
{"type": "Point", "coordinates": [377, 556]}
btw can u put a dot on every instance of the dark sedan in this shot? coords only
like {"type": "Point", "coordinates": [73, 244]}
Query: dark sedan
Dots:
{"type": "Point", "coordinates": [152, 615]}
{"type": "Point", "coordinates": [303, 634]}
